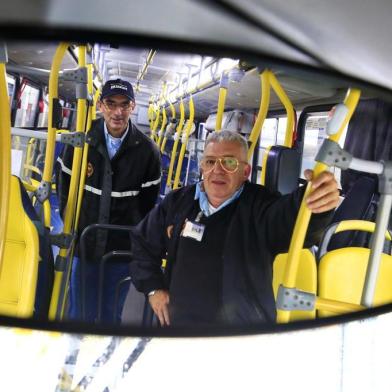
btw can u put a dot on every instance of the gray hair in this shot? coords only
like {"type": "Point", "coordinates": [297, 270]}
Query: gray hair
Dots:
{"type": "Point", "coordinates": [227, 136]}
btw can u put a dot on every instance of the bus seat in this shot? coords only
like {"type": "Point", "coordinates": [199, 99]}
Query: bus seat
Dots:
{"type": "Point", "coordinates": [282, 169]}
{"type": "Point", "coordinates": [306, 279]}
{"type": "Point", "coordinates": [342, 272]}
{"type": "Point", "coordinates": [360, 203]}
{"type": "Point", "coordinates": [19, 269]}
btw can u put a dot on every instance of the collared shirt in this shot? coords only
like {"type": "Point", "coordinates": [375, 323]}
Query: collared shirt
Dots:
{"type": "Point", "coordinates": [113, 143]}
{"type": "Point", "coordinates": [205, 205]}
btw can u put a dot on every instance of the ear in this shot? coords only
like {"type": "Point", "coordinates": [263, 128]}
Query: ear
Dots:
{"type": "Point", "coordinates": [247, 170]}
{"type": "Point", "coordinates": [133, 105]}
{"type": "Point", "coordinates": [99, 105]}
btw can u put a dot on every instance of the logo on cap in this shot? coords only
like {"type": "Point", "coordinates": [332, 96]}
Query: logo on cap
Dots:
{"type": "Point", "coordinates": [117, 87]}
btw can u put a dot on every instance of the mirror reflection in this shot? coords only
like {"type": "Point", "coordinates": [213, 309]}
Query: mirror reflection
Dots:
{"type": "Point", "coordinates": [169, 189]}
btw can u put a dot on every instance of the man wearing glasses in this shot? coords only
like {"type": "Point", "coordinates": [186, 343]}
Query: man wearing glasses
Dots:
{"type": "Point", "coordinates": [122, 184]}
{"type": "Point", "coordinates": [219, 238]}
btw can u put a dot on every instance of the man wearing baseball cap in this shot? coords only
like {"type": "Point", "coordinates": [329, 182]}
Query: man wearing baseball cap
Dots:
{"type": "Point", "coordinates": [122, 184]}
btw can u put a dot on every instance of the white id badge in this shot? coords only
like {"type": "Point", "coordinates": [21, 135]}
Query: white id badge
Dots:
{"type": "Point", "coordinates": [193, 230]}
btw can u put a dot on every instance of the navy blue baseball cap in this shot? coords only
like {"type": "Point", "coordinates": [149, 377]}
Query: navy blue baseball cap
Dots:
{"type": "Point", "coordinates": [117, 87]}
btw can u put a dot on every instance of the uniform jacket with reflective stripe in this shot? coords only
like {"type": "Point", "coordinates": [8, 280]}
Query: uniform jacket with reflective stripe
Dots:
{"type": "Point", "coordinates": [260, 227]}
{"type": "Point", "coordinates": [119, 191]}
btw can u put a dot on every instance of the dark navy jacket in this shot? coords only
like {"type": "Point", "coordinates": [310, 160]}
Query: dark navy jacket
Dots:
{"type": "Point", "coordinates": [118, 191]}
{"type": "Point", "coordinates": [260, 227]}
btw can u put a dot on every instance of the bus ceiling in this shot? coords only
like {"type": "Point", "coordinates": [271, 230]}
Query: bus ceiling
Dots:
{"type": "Point", "coordinates": [322, 37]}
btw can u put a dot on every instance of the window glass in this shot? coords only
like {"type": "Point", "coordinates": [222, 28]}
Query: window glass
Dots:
{"type": "Point", "coordinates": [282, 124]}
{"type": "Point", "coordinates": [25, 114]}
{"type": "Point", "coordinates": [11, 87]}
{"type": "Point", "coordinates": [315, 133]}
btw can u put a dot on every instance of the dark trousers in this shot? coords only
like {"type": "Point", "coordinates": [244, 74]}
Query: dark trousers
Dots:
{"type": "Point", "coordinates": [111, 312]}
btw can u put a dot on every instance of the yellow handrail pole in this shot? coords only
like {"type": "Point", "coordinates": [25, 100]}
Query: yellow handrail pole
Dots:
{"type": "Point", "coordinates": [288, 140]}
{"type": "Point", "coordinates": [174, 149]}
{"type": "Point", "coordinates": [303, 218]}
{"type": "Point", "coordinates": [29, 156]}
{"type": "Point", "coordinates": [184, 142]}
{"type": "Point", "coordinates": [164, 117]}
{"type": "Point", "coordinates": [173, 115]}
{"type": "Point", "coordinates": [51, 140]}
{"type": "Point", "coordinates": [155, 126]}
{"type": "Point", "coordinates": [95, 101]}
{"type": "Point", "coordinates": [162, 130]}
{"type": "Point", "coordinates": [5, 150]}
{"type": "Point", "coordinates": [59, 286]}
{"type": "Point", "coordinates": [223, 86]}
{"type": "Point", "coordinates": [337, 307]}
{"type": "Point", "coordinates": [150, 113]}
{"type": "Point", "coordinates": [83, 169]}
{"type": "Point", "coordinates": [262, 114]}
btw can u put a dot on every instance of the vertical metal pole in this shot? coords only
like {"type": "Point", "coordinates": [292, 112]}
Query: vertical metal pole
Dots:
{"type": "Point", "coordinates": [383, 212]}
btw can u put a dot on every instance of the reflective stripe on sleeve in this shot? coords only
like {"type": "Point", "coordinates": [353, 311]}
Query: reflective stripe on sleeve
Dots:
{"type": "Point", "coordinates": [64, 168]}
{"type": "Point", "coordinates": [150, 183]}
{"type": "Point", "coordinates": [97, 191]}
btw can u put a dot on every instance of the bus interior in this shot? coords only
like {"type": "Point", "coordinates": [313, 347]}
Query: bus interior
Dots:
{"type": "Point", "coordinates": [296, 110]}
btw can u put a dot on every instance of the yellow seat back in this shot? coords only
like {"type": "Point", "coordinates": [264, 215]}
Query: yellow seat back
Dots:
{"type": "Point", "coordinates": [306, 279]}
{"type": "Point", "coordinates": [19, 269]}
{"type": "Point", "coordinates": [342, 276]}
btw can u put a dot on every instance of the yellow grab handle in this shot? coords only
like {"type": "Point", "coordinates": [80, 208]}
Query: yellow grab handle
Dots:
{"type": "Point", "coordinates": [174, 149]}
{"type": "Point", "coordinates": [224, 84]}
{"type": "Point", "coordinates": [262, 114]}
{"type": "Point", "coordinates": [304, 214]}
{"type": "Point", "coordinates": [288, 141]}
{"type": "Point", "coordinates": [185, 142]}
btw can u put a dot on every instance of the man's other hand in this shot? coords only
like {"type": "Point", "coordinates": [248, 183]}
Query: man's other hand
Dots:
{"type": "Point", "coordinates": [159, 302]}
{"type": "Point", "coordinates": [324, 195]}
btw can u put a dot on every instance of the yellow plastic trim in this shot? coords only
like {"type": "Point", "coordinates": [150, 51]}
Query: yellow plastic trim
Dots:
{"type": "Point", "coordinates": [262, 114]}
{"type": "Point", "coordinates": [288, 141]}
{"type": "Point", "coordinates": [264, 164]}
{"type": "Point", "coordinates": [174, 149]}
{"type": "Point", "coordinates": [5, 157]}
{"type": "Point", "coordinates": [303, 218]}
{"type": "Point", "coordinates": [183, 146]}
{"type": "Point", "coordinates": [221, 108]}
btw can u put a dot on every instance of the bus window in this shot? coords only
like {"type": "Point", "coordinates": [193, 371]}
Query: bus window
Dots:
{"type": "Point", "coordinates": [43, 114]}
{"type": "Point", "coordinates": [315, 133]}
{"type": "Point", "coordinates": [25, 114]}
{"type": "Point", "coordinates": [11, 87]}
{"type": "Point", "coordinates": [282, 123]}
{"type": "Point", "coordinates": [268, 138]}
